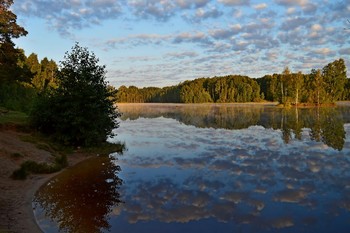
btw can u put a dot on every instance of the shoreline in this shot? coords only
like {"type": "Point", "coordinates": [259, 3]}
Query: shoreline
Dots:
{"type": "Point", "coordinates": [252, 104]}
{"type": "Point", "coordinates": [16, 212]}
{"type": "Point", "coordinates": [203, 104]}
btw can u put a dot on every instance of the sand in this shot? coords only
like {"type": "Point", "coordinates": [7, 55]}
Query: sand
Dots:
{"type": "Point", "coordinates": [16, 214]}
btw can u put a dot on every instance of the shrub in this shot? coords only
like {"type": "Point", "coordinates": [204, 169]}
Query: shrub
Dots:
{"type": "Point", "coordinates": [81, 110]}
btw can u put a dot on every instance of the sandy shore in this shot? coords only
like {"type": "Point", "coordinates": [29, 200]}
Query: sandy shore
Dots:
{"type": "Point", "coordinates": [16, 214]}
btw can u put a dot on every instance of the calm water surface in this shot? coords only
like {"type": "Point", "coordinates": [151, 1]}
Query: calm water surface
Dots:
{"type": "Point", "coordinates": [210, 168]}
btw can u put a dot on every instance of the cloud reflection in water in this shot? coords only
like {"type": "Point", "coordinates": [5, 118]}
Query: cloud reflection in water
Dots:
{"type": "Point", "coordinates": [233, 176]}
{"type": "Point", "coordinates": [251, 178]}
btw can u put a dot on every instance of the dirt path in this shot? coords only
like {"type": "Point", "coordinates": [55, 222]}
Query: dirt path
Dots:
{"type": "Point", "coordinates": [16, 213]}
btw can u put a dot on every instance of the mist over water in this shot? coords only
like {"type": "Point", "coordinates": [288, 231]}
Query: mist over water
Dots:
{"type": "Point", "coordinates": [216, 168]}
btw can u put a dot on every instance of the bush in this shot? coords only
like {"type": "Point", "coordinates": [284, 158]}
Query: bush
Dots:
{"type": "Point", "coordinates": [81, 110]}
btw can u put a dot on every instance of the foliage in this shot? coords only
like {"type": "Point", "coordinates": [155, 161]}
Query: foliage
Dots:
{"type": "Point", "coordinates": [43, 72]}
{"type": "Point", "coordinates": [319, 87]}
{"type": "Point", "coordinates": [11, 57]}
{"type": "Point", "coordinates": [334, 75]}
{"type": "Point", "coordinates": [30, 166]}
{"type": "Point", "coordinates": [17, 96]}
{"type": "Point", "coordinates": [81, 110]}
{"type": "Point", "coordinates": [9, 28]}
{"type": "Point", "coordinates": [228, 89]}
{"type": "Point", "coordinates": [195, 92]}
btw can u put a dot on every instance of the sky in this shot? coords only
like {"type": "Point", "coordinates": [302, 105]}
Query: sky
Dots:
{"type": "Point", "coordinates": [164, 42]}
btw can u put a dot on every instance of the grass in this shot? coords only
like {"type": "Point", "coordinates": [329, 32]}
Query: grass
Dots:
{"type": "Point", "coordinates": [13, 118]}
{"type": "Point", "coordinates": [43, 142]}
{"type": "Point", "coordinates": [33, 167]}
{"type": "Point", "coordinates": [20, 120]}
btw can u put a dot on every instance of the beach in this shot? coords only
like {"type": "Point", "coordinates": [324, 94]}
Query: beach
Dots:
{"type": "Point", "coordinates": [16, 214]}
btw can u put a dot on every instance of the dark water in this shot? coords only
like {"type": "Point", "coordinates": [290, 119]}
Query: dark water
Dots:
{"type": "Point", "coordinates": [209, 168]}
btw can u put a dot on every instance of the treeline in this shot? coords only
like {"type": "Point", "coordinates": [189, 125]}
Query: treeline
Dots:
{"type": "Point", "coordinates": [233, 88]}
{"type": "Point", "coordinates": [318, 87]}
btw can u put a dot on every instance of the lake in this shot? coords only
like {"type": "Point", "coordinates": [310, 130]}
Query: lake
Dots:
{"type": "Point", "coordinates": [210, 168]}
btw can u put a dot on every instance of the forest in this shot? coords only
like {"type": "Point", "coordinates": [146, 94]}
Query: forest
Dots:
{"type": "Point", "coordinates": [322, 86]}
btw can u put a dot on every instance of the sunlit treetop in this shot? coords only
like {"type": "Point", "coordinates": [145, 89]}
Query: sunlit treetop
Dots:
{"type": "Point", "coordinates": [8, 23]}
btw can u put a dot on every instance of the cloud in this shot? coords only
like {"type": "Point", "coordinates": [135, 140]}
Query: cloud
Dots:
{"type": "Point", "coordinates": [234, 2]}
{"type": "Point", "coordinates": [166, 9]}
{"type": "Point", "coordinates": [260, 6]}
{"type": "Point", "coordinates": [291, 10]}
{"type": "Point", "coordinates": [292, 23]}
{"type": "Point", "coordinates": [192, 37]}
{"type": "Point", "coordinates": [310, 8]}
{"type": "Point", "coordinates": [316, 27]}
{"type": "Point", "coordinates": [185, 4]}
{"type": "Point", "coordinates": [344, 51]}
{"type": "Point", "coordinates": [67, 16]}
{"type": "Point", "coordinates": [222, 34]}
{"type": "Point", "coordinates": [135, 40]}
{"type": "Point", "coordinates": [182, 55]}
{"type": "Point", "coordinates": [323, 51]}
{"type": "Point", "coordinates": [205, 14]}
{"type": "Point", "coordinates": [292, 2]}
{"type": "Point", "coordinates": [159, 10]}
{"type": "Point", "coordinates": [202, 14]}
{"type": "Point", "coordinates": [199, 38]}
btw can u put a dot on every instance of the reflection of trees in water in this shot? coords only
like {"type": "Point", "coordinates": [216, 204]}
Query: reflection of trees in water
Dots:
{"type": "Point", "coordinates": [329, 128]}
{"type": "Point", "coordinates": [202, 116]}
{"type": "Point", "coordinates": [79, 200]}
{"type": "Point", "coordinates": [326, 123]}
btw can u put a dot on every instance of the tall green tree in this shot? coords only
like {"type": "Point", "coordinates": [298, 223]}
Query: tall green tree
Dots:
{"type": "Point", "coordinates": [9, 55]}
{"type": "Point", "coordinates": [285, 85]}
{"type": "Point", "coordinates": [334, 75]}
{"type": "Point", "coordinates": [297, 82]}
{"type": "Point", "coordinates": [81, 110]}
{"type": "Point", "coordinates": [34, 67]}
{"type": "Point", "coordinates": [317, 85]}
{"type": "Point", "coordinates": [48, 74]}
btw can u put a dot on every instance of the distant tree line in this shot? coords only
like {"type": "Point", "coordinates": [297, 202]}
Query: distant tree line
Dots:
{"type": "Point", "coordinates": [233, 88]}
{"type": "Point", "coordinates": [319, 87]}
